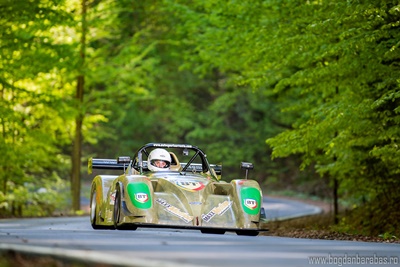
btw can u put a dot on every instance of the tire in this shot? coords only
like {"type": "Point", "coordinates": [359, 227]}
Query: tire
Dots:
{"type": "Point", "coordinates": [248, 233]}
{"type": "Point", "coordinates": [213, 231]}
{"type": "Point", "coordinates": [117, 213]}
{"type": "Point", "coordinates": [93, 209]}
{"type": "Point", "coordinates": [117, 209]}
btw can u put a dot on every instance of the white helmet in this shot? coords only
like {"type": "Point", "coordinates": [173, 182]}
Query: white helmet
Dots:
{"type": "Point", "coordinates": [155, 157]}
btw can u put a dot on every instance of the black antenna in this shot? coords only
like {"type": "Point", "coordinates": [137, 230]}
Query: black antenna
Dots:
{"type": "Point", "coordinates": [247, 166]}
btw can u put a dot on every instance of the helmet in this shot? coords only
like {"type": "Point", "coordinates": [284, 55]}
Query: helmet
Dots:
{"type": "Point", "coordinates": [159, 154]}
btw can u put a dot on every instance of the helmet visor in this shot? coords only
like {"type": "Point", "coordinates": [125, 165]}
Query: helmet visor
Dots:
{"type": "Point", "coordinates": [160, 163]}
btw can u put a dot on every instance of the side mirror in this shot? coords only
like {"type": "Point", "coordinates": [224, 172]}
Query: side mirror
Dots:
{"type": "Point", "coordinates": [123, 160]}
{"type": "Point", "coordinates": [247, 166]}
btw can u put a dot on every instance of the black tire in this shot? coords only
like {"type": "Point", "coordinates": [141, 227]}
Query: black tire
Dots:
{"type": "Point", "coordinates": [117, 213]}
{"type": "Point", "coordinates": [117, 209]}
{"type": "Point", "coordinates": [93, 209]}
{"type": "Point", "coordinates": [213, 231]}
{"type": "Point", "coordinates": [248, 233]}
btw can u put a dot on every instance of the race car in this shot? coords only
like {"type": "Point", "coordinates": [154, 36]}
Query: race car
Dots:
{"type": "Point", "coordinates": [173, 186]}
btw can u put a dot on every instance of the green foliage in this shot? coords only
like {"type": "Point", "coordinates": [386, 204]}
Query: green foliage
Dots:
{"type": "Point", "coordinates": [348, 86]}
{"type": "Point", "coordinates": [34, 97]}
{"type": "Point", "coordinates": [319, 81]}
{"type": "Point", "coordinates": [35, 198]}
{"type": "Point", "coordinates": [331, 68]}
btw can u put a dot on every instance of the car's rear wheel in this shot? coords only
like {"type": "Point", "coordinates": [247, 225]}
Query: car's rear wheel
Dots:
{"type": "Point", "coordinates": [93, 209]}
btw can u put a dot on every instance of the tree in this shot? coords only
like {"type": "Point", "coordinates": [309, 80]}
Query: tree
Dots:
{"type": "Point", "coordinates": [34, 95]}
{"type": "Point", "coordinates": [80, 89]}
{"type": "Point", "coordinates": [342, 85]}
{"type": "Point", "coordinates": [331, 67]}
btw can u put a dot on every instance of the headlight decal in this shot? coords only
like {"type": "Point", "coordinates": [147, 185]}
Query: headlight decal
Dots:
{"type": "Point", "coordinates": [186, 217]}
{"type": "Point", "coordinates": [251, 200]}
{"type": "Point", "coordinates": [139, 194]}
{"type": "Point", "coordinates": [219, 210]}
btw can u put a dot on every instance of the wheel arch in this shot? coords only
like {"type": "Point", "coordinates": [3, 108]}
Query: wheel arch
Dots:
{"type": "Point", "coordinates": [100, 189]}
{"type": "Point", "coordinates": [248, 192]}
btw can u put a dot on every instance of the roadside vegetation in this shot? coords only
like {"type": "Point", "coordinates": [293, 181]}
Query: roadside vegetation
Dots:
{"type": "Point", "coordinates": [17, 259]}
{"type": "Point", "coordinates": [321, 227]}
{"type": "Point", "coordinates": [308, 91]}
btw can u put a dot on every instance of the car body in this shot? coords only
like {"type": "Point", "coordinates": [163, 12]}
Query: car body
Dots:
{"type": "Point", "coordinates": [190, 195]}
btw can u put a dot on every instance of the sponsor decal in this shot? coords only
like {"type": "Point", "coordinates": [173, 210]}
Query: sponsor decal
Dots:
{"type": "Point", "coordinates": [219, 210]}
{"type": "Point", "coordinates": [139, 194]}
{"type": "Point", "coordinates": [174, 210]}
{"type": "Point", "coordinates": [250, 203]}
{"type": "Point", "coordinates": [172, 145]}
{"type": "Point", "coordinates": [141, 197]}
{"type": "Point", "coordinates": [251, 200]}
{"type": "Point", "coordinates": [112, 198]}
{"type": "Point", "coordinates": [190, 186]}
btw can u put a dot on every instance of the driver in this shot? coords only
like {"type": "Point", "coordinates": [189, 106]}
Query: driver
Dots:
{"type": "Point", "coordinates": [159, 160]}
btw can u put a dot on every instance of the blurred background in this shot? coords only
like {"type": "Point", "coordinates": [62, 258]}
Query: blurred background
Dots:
{"type": "Point", "coordinates": [308, 91]}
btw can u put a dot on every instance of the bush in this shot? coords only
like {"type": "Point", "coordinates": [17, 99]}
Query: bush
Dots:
{"type": "Point", "coordinates": [30, 200]}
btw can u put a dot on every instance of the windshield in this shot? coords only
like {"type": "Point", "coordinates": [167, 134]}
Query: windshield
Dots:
{"type": "Point", "coordinates": [183, 158]}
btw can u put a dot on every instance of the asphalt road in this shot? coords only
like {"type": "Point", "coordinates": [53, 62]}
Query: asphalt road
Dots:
{"type": "Point", "coordinates": [281, 209]}
{"type": "Point", "coordinates": [73, 237]}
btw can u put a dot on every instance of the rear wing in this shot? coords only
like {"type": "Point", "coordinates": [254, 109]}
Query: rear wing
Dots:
{"type": "Point", "coordinates": [217, 168]}
{"type": "Point", "coordinates": [108, 164]}
{"type": "Point", "coordinates": [122, 163]}
{"type": "Point", "coordinates": [199, 168]}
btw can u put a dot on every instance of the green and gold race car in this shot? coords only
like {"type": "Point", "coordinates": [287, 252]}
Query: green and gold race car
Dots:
{"type": "Point", "coordinates": [173, 186]}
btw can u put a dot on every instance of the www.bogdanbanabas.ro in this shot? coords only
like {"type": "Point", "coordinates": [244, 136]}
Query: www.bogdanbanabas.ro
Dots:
{"type": "Point", "coordinates": [353, 260]}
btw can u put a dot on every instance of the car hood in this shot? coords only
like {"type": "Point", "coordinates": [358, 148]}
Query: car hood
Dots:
{"type": "Point", "coordinates": [187, 181]}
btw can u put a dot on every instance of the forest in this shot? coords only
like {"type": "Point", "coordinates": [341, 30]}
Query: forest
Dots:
{"type": "Point", "coordinates": [308, 91]}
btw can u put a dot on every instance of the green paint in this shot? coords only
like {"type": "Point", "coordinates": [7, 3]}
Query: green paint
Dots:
{"type": "Point", "coordinates": [139, 193]}
{"type": "Point", "coordinates": [251, 200]}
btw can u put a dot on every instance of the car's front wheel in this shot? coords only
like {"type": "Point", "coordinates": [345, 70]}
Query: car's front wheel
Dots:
{"type": "Point", "coordinates": [117, 209]}
{"type": "Point", "coordinates": [117, 213]}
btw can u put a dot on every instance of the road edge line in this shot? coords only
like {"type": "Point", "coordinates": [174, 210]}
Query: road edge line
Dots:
{"type": "Point", "coordinates": [89, 256]}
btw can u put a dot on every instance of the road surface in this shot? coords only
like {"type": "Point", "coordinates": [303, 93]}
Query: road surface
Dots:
{"type": "Point", "coordinates": [282, 209]}
{"type": "Point", "coordinates": [73, 237]}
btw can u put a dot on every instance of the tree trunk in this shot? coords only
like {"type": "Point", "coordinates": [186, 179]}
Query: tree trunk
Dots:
{"type": "Point", "coordinates": [335, 201]}
{"type": "Point", "coordinates": [77, 150]}
{"type": "Point", "coordinates": [77, 145]}
{"type": "Point", "coordinates": [335, 179]}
